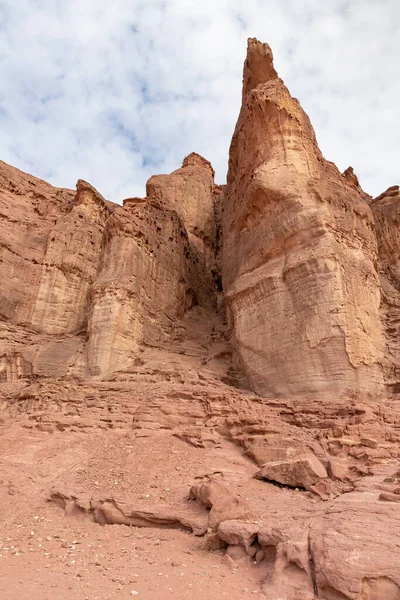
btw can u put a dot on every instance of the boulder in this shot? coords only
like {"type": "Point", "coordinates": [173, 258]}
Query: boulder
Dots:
{"type": "Point", "coordinates": [300, 472]}
{"type": "Point", "coordinates": [222, 503]}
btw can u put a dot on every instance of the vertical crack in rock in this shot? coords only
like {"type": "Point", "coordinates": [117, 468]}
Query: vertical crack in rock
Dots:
{"type": "Point", "coordinates": [312, 566]}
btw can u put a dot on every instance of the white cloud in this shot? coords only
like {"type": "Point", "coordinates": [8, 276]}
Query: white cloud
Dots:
{"type": "Point", "coordinates": [116, 92]}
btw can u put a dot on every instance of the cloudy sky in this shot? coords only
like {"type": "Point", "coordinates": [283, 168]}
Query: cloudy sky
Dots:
{"type": "Point", "coordinates": [115, 91]}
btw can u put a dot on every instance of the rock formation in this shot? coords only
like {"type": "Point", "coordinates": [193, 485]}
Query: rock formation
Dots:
{"type": "Point", "coordinates": [230, 352]}
{"type": "Point", "coordinates": [299, 253]}
{"type": "Point", "coordinates": [100, 280]}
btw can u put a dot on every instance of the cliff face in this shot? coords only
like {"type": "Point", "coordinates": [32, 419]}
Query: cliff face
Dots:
{"type": "Point", "coordinates": [189, 191]}
{"type": "Point", "coordinates": [386, 210]}
{"type": "Point", "coordinates": [299, 252]}
{"type": "Point", "coordinates": [30, 208]}
{"type": "Point", "coordinates": [88, 282]}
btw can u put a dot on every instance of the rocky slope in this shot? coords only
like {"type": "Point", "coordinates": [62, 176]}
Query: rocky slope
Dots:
{"type": "Point", "coordinates": [219, 362]}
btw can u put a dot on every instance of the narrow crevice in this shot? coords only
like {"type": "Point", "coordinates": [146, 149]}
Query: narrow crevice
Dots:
{"type": "Point", "coordinates": [284, 485]}
{"type": "Point", "coordinates": [312, 566]}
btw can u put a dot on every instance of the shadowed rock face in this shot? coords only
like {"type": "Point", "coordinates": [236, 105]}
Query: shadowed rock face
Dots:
{"type": "Point", "coordinates": [299, 252]}
{"type": "Point", "coordinates": [386, 210]}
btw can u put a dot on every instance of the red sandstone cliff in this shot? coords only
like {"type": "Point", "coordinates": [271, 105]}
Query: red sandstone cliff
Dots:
{"type": "Point", "coordinates": [272, 434]}
{"type": "Point", "coordinates": [92, 281]}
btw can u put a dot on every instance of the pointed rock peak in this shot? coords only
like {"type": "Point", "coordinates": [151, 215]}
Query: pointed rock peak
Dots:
{"type": "Point", "coordinates": [258, 66]}
{"type": "Point", "coordinates": [352, 179]}
{"type": "Point", "coordinates": [351, 176]}
{"type": "Point", "coordinates": [87, 194]}
{"type": "Point", "coordinates": [81, 185]}
{"type": "Point", "coordinates": [196, 160]}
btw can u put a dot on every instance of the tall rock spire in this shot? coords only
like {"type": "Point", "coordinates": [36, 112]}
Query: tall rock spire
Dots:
{"type": "Point", "coordinates": [298, 252]}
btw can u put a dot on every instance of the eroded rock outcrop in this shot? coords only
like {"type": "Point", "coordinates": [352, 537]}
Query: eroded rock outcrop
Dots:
{"type": "Point", "coordinates": [299, 252]}
{"type": "Point", "coordinates": [141, 287]}
{"type": "Point", "coordinates": [110, 511]}
{"type": "Point", "coordinates": [93, 282]}
{"type": "Point", "coordinates": [189, 191]}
